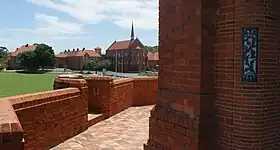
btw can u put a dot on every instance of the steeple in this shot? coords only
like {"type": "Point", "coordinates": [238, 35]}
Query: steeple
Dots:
{"type": "Point", "coordinates": [132, 32]}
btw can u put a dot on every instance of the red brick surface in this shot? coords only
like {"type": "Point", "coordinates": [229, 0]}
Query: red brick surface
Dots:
{"type": "Point", "coordinates": [99, 93]}
{"type": "Point", "coordinates": [50, 117]}
{"type": "Point", "coordinates": [247, 111]}
{"type": "Point", "coordinates": [144, 91]}
{"type": "Point", "coordinates": [121, 95]}
{"type": "Point", "coordinates": [11, 132]}
{"type": "Point", "coordinates": [200, 60]}
{"type": "Point", "coordinates": [110, 96]}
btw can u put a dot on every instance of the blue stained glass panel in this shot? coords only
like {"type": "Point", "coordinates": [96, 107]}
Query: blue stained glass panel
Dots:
{"type": "Point", "coordinates": [250, 49]}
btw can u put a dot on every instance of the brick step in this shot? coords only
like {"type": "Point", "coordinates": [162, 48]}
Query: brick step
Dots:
{"type": "Point", "coordinates": [95, 118]}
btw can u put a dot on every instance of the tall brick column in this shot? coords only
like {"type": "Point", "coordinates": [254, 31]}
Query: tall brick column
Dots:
{"type": "Point", "coordinates": [219, 74]}
{"type": "Point", "coordinates": [184, 116]}
{"type": "Point", "coordinates": [247, 107]}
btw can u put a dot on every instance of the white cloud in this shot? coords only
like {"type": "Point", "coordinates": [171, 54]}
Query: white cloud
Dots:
{"type": "Point", "coordinates": [52, 25]}
{"type": "Point", "coordinates": [143, 12]}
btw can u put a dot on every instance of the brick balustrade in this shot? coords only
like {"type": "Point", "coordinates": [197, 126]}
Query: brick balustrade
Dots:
{"type": "Point", "coordinates": [42, 120]}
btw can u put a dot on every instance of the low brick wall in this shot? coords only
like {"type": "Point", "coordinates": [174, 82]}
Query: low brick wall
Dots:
{"type": "Point", "coordinates": [110, 96]}
{"type": "Point", "coordinates": [144, 91]}
{"type": "Point", "coordinates": [48, 118]}
{"type": "Point", "coordinates": [121, 95]}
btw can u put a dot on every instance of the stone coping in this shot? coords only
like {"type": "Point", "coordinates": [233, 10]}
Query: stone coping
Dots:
{"type": "Point", "coordinates": [27, 100]}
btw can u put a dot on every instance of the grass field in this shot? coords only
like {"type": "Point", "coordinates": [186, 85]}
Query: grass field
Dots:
{"type": "Point", "coordinates": [17, 83]}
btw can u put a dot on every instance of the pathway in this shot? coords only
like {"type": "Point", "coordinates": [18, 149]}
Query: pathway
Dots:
{"type": "Point", "coordinates": [128, 130]}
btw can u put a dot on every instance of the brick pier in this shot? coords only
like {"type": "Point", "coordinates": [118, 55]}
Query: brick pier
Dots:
{"type": "Point", "coordinates": [219, 74]}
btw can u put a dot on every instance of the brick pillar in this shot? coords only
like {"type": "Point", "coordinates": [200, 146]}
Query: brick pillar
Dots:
{"type": "Point", "coordinates": [11, 133]}
{"type": "Point", "coordinates": [184, 116]}
{"type": "Point", "coordinates": [99, 94]}
{"type": "Point", "coordinates": [65, 81]}
{"type": "Point", "coordinates": [248, 108]}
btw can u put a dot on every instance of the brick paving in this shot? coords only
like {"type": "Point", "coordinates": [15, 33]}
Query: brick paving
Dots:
{"type": "Point", "coordinates": [128, 130]}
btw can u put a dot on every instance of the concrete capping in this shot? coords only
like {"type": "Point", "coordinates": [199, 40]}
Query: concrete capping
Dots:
{"type": "Point", "coordinates": [11, 131]}
{"type": "Point", "coordinates": [146, 78]}
{"type": "Point", "coordinates": [89, 78]}
{"type": "Point", "coordinates": [72, 82]}
{"type": "Point", "coordinates": [122, 81]}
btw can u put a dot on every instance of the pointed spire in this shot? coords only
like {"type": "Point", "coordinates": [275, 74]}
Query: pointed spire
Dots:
{"type": "Point", "coordinates": [132, 32]}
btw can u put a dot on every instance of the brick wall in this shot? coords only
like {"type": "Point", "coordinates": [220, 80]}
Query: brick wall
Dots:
{"type": "Point", "coordinates": [110, 96]}
{"type": "Point", "coordinates": [51, 117]}
{"type": "Point", "coordinates": [121, 95]}
{"type": "Point", "coordinates": [145, 91]}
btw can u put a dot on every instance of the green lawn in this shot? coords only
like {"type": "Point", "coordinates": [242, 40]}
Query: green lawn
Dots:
{"type": "Point", "coordinates": [17, 83]}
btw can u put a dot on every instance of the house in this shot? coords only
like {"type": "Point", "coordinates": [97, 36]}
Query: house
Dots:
{"type": "Point", "coordinates": [152, 59]}
{"type": "Point", "coordinates": [14, 62]}
{"type": "Point", "coordinates": [128, 55]}
{"type": "Point", "coordinates": [75, 59]}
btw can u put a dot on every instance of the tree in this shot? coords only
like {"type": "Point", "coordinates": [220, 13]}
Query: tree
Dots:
{"type": "Point", "coordinates": [44, 56]}
{"type": "Point", "coordinates": [28, 59]}
{"type": "Point", "coordinates": [3, 57]}
{"type": "Point", "coordinates": [103, 64]}
{"type": "Point", "coordinates": [152, 49]}
{"type": "Point", "coordinates": [90, 65]}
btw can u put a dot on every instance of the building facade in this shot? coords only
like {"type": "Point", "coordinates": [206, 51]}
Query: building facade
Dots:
{"type": "Point", "coordinates": [128, 55]}
{"type": "Point", "coordinates": [152, 59]}
{"type": "Point", "coordinates": [14, 62]}
{"type": "Point", "coordinates": [76, 58]}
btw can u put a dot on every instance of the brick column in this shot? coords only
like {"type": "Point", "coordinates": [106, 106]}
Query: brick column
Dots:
{"type": "Point", "coordinates": [248, 108]}
{"type": "Point", "coordinates": [222, 51]}
{"type": "Point", "coordinates": [184, 116]}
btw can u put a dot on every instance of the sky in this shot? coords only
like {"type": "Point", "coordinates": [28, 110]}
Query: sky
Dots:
{"type": "Point", "coordinates": [68, 24]}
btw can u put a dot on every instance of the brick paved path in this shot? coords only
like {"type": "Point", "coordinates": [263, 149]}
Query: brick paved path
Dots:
{"type": "Point", "coordinates": [128, 130]}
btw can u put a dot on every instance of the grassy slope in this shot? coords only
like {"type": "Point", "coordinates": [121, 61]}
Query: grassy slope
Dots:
{"type": "Point", "coordinates": [14, 84]}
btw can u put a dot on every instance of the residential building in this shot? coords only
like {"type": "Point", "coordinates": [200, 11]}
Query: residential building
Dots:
{"type": "Point", "coordinates": [128, 55]}
{"type": "Point", "coordinates": [14, 62]}
{"type": "Point", "coordinates": [152, 59]}
{"type": "Point", "coordinates": [75, 59]}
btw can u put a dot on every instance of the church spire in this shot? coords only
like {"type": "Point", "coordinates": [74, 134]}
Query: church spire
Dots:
{"type": "Point", "coordinates": [132, 32]}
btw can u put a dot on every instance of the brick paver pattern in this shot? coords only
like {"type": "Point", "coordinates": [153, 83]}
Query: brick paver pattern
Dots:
{"type": "Point", "coordinates": [128, 130]}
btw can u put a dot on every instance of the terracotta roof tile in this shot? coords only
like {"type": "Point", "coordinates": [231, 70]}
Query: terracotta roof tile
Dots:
{"type": "Point", "coordinates": [23, 48]}
{"type": "Point", "coordinates": [152, 56]}
{"type": "Point", "coordinates": [91, 53]}
{"type": "Point", "coordinates": [121, 45]}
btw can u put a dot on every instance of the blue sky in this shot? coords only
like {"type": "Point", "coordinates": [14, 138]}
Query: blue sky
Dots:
{"type": "Point", "coordinates": [68, 24]}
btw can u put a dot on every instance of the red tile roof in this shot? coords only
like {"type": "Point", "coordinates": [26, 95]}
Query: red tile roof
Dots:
{"type": "Point", "coordinates": [22, 49]}
{"type": "Point", "coordinates": [152, 56]}
{"type": "Point", "coordinates": [91, 53]}
{"type": "Point", "coordinates": [120, 45]}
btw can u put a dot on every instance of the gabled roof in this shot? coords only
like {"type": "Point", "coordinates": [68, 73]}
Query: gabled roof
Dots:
{"type": "Point", "coordinates": [23, 48]}
{"type": "Point", "coordinates": [152, 56]}
{"type": "Point", "coordinates": [91, 53]}
{"type": "Point", "coordinates": [120, 45]}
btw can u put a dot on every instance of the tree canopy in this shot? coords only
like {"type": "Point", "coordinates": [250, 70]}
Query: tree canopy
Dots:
{"type": "Point", "coordinates": [3, 57]}
{"type": "Point", "coordinates": [41, 57]}
{"type": "Point", "coordinates": [90, 66]}
{"type": "Point", "coordinates": [27, 59]}
{"type": "Point", "coordinates": [152, 49]}
{"type": "Point", "coordinates": [103, 64]}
